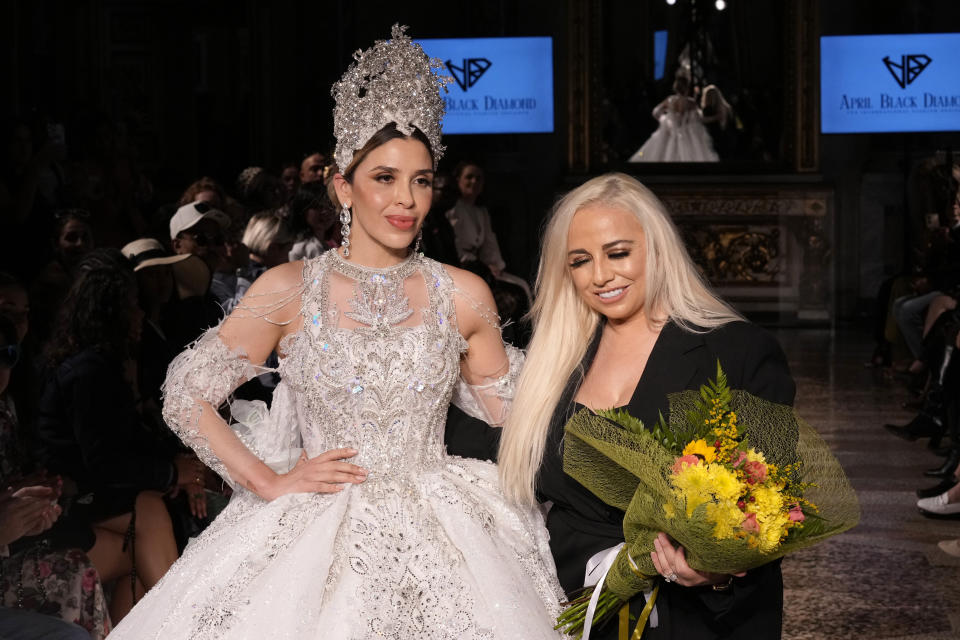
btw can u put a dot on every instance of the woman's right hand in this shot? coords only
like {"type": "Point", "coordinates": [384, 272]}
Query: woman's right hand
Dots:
{"type": "Point", "coordinates": [326, 473]}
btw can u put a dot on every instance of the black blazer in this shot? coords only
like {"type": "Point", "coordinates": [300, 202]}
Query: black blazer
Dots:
{"type": "Point", "coordinates": [580, 524]}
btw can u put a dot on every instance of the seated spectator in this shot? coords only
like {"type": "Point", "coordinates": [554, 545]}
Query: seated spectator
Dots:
{"type": "Point", "coordinates": [269, 241]}
{"type": "Point", "coordinates": [290, 179]}
{"type": "Point", "coordinates": [92, 435]}
{"type": "Point", "coordinates": [313, 221]}
{"type": "Point", "coordinates": [160, 277]}
{"type": "Point", "coordinates": [205, 190]}
{"type": "Point", "coordinates": [198, 230]}
{"type": "Point", "coordinates": [72, 239]}
{"type": "Point", "coordinates": [40, 571]}
{"type": "Point", "coordinates": [258, 190]}
{"type": "Point", "coordinates": [438, 240]}
{"type": "Point", "coordinates": [312, 166]}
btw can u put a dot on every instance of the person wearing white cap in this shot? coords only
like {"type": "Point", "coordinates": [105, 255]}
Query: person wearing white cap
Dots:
{"type": "Point", "coordinates": [198, 229]}
{"type": "Point", "coordinates": [159, 275]}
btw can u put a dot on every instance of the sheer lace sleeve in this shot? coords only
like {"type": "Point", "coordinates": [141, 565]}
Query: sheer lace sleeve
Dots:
{"type": "Point", "coordinates": [483, 395]}
{"type": "Point", "coordinates": [201, 379]}
{"type": "Point", "coordinates": [206, 371]}
{"type": "Point", "coordinates": [487, 398]}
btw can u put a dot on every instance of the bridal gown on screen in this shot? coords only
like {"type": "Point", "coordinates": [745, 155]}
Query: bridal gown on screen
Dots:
{"type": "Point", "coordinates": [680, 136]}
{"type": "Point", "coordinates": [427, 547]}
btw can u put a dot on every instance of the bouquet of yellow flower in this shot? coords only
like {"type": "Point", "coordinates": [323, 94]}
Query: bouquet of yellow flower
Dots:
{"type": "Point", "coordinates": [737, 480]}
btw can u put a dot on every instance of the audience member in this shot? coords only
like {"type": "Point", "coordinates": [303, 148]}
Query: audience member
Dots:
{"type": "Point", "coordinates": [44, 569]}
{"type": "Point", "coordinates": [313, 221]}
{"type": "Point", "coordinates": [93, 436]}
{"type": "Point", "coordinates": [438, 240]}
{"type": "Point", "coordinates": [258, 190]}
{"type": "Point", "coordinates": [269, 241]}
{"type": "Point", "coordinates": [198, 230]}
{"type": "Point", "coordinates": [312, 166]}
{"type": "Point", "coordinates": [290, 179]}
{"type": "Point", "coordinates": [472, 228]}
{"type": "Point", "coordinates": [72, 239]}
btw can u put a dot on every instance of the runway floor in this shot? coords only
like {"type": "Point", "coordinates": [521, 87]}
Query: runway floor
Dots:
{"type": "Point", "coordinates": [886, 578]}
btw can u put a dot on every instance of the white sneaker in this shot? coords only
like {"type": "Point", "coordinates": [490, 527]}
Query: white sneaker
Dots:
{"type": "Point", "coordinates": [938, 505]}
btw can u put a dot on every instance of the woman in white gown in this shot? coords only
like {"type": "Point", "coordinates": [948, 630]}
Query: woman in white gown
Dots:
{"type": "Point", "coordinates": [681, 135]}
{"type": "Point", "coordinates": [401, 541]}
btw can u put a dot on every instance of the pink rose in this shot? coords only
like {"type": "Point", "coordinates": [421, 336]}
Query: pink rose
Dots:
{"type": "Point", "coordinates": [740, 458]}
{"type": "Point", "coordinates": [755, 472]}
{"type": "Point", "coordinates": [796, 514]}
{"type": "Point", "coordinates": [44, 569]}
{"type": "Point", "coordinates": [89, 580]}
{"type": "Point", "coordinates": [750, 523]}
{"type": "Point", "coordinates": [689, 460]}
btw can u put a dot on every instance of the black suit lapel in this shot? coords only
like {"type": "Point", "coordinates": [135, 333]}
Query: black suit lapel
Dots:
{"type": "Point", "coordinates": [674, 364]}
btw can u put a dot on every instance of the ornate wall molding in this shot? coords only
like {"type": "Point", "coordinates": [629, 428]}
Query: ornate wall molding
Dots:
{"type": "Point", "coordinates": [765, 249]}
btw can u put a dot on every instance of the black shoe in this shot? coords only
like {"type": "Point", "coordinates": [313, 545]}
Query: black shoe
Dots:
{"type": "Point", "coordinates": [946, 469]}
{"type": "Point", "coordinates": [944, 486]}
{"type": "Point", "coordinates": [922, 426]}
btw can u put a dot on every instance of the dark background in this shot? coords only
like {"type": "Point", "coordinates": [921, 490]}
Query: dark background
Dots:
{"type": "Point", "coordinates": [210, 87]}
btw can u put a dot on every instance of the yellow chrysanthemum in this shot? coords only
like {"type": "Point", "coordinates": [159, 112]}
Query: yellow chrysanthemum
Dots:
{"type": "Point", "coordinates": [702, 449]}
{"type": "Point", "coordinates": [771, 533]}
{"type": "Point", "coordinates": [768, 502]}
{"type": "Point", "coordinates": [724, 483]}
{"type": "Point", "coordinates": [693, 486]}
{"type": "Point", "coordinates": [755, 456]}
{"type": "Point", "coordinates": [726, 519]}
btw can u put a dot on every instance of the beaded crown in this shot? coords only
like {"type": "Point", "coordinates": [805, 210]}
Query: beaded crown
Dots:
{"type": "Point", "coordinates": [392, 81]}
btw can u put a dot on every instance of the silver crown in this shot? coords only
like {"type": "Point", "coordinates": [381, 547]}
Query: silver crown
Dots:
{"type": "Point", "coordinates": [392, 81]}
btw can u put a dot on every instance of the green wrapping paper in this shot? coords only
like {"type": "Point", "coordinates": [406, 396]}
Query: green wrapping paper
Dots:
{"type": "Point", "coordinates": [628, 467]}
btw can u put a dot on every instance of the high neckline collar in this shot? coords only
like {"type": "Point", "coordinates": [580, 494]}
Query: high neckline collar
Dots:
{"type": "Point", "coordinates": [359, 271]}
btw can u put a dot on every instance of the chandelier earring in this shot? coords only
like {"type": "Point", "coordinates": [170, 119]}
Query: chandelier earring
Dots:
{"type": "Point", "coordinates": [416, 245]}
{"type": "Point", "coordinates": [345, 229]}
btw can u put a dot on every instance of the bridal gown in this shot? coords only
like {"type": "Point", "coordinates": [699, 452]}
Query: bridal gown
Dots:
{"type": "Point", "coordinates": [426, 547]}
{"type": "Point", "coordinates": [680, 136]}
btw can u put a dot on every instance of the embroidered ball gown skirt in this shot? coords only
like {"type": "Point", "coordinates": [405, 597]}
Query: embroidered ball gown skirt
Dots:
{"type": "Point", "coordinates": [426, 547]}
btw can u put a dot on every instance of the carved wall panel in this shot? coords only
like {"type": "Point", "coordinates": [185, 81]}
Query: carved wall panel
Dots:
{"type": "Point", "coordinates": [765, 249]}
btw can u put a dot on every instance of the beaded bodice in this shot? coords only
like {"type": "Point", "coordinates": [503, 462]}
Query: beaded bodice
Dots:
{"type": "Point", "coordinates": [376, 362]}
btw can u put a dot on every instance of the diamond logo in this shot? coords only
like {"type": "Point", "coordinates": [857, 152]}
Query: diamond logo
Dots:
{"type": "Point", "coordinates": [472, 69]}
{"type": "Point", "coordinates": [908, 69]}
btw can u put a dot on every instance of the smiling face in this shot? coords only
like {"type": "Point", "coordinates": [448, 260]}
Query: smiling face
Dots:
{"type": "Point", "coordinates": [607, 261]}
{"type": "Point", "coordinates": [389, 196]}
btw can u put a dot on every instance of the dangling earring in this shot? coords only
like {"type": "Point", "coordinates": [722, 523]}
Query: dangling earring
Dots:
{"type": "Point", "coordinates": [345, 229]}
{"type": "Point", "coordinates": [416, 245]}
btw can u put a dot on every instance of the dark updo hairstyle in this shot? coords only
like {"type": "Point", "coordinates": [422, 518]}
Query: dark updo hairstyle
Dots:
{"type": "Point", "coordinates": [96, 312]}
{"type": "Point", "coordinates": [385, 135]}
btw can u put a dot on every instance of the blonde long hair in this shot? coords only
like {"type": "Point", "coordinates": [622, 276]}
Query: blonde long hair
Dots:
{"type": "Point", "coordinates": [564, 324]}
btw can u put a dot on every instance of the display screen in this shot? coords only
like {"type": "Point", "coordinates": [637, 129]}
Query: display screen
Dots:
{"type": "Point", "coordinates": [500, 85]}
{"type": "Point", "coordinates": [890, 83]}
